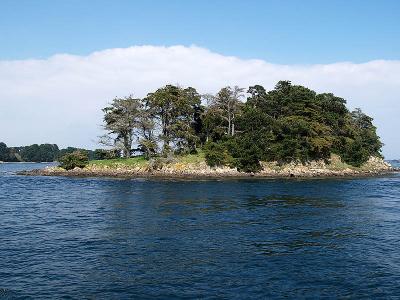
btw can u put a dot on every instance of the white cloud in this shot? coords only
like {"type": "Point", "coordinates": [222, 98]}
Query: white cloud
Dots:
{"type": "Point", "coordinates": [59, 99]}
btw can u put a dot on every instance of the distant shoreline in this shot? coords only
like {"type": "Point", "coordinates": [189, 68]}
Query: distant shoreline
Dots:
{"type": "Point", "coordinates": [27, 162]}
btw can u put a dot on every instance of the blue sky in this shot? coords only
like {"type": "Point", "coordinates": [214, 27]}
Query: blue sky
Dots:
{"type": "Point", "coordinates": [285, 32]}
{"type": "Point", "coordinates": [57, 54]}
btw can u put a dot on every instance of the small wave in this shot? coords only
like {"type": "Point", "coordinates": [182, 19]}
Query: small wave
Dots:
{"type": "Point", "coordinates": [7, 294]}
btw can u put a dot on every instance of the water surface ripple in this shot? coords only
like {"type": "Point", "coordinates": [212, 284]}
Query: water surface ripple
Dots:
{"type": "Point", "coordinates": [104, 238]}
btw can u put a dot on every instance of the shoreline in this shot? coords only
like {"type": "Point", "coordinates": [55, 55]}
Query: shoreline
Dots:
{"type": "Point", "coordinates": [128, 174]}
{"type": "Point", "coordinates": [200, 170]}
{"type": "Point", "coordinates": [244, 176]}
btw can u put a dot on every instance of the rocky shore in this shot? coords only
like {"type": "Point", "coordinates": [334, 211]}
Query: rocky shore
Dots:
{"type": "Point", "coordinates": [333, 168]}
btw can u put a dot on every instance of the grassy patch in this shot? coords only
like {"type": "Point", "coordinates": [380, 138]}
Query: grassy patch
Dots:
{"type": "Point", "coordinates": [337, 164]}
{"type": "Point", "coordinates": [192, 158]}
{"type": "Point", "coordinates": [137, 161]}
{"type": "Point", "coordinates": [140, 161]}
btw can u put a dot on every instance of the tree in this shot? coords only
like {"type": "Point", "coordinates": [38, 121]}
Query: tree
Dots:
{"type": "Point", "coordinates": [361, 140]}
{"type": "Point", "coordinates": [30, 153]}
{"type": "Point", "coordinates": [255, 124]}
{"type": "Point", "coordinates": [288, 123]}
{"type": "Point", "coordinates": [145, 127]}
{"type": "Point", "coordinates": [47, 153]}
{"type": "Point", "coordinates": [101, 154]}
{"type": "Point", "coordinates": [258, 97]}
{"type": "Point", "coordinates": [249, 156]}
{"type": "Point", "coordinates": [217, 155]}
{"type": "Point", "coordinates": [163, 103]}
{"type": "Point", "coordinates": [67, 150]}
{"type": "Point", "coordinates": [121, 118]}
{"type": "Point", "coordinates": [76, 159]}
{"type": "Point", "coordinates": [4, 152]}
{"type": "Point", "coordinates": [227, 103]}
{"type": "Point", "coordinates": [213, 125]}
{"type": "Point", "coordinates": [175, 108]}
{"type": "Point", "coordinates": [293, 123]}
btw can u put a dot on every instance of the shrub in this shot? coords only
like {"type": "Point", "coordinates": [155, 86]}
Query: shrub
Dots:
{"type": "Point", "coordinates": [355, 154]}
{"type": "Point", "coordinates": [156, 163]}
{"type": "Point", "coordinates": [246, 154]}
{"type": "Point", "coordinates": [249, 161]}
{"type": "Point", "coordinates": [216, 155]}
{"type": "Point", "coordinates": [75, 159]}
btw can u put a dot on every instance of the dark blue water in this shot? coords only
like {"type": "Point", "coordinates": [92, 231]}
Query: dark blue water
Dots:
{"type": "Point", "coordinates": [93, 238]}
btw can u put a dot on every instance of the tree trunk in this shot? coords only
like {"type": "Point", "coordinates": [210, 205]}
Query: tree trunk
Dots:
{"type": "Point", "coordinates": [229, 124]}
{"type": "Point", "coordinates": [127, 146]}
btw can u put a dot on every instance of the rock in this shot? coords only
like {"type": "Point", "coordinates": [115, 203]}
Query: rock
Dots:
{"type": "Point", "coordinates": [320, 168]}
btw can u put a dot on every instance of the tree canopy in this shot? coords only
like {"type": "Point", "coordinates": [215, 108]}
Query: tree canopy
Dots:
{"type": "Point", "coordinates": [288, 123]}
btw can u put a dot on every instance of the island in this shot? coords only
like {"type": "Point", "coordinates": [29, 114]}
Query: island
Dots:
{"type": "Point", "coordinates": [290, 131]}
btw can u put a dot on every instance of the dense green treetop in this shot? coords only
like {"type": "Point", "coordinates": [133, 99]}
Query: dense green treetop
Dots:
{"type": "Point", "coordinates": [174, 110]}
{"type": "Point", "coordinates": [288, 123]}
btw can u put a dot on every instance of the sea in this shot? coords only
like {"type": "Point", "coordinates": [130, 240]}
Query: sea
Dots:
{"type": "Point", "coordinates": [107, 238]}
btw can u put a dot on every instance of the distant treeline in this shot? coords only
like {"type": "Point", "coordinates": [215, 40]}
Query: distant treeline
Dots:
{"type": "Point", "coordinates": [46, 153]}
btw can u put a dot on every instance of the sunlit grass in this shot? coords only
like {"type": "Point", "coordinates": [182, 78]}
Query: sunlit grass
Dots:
{"type": "Point", "coordinates": [117, 162]}
{"type": "Point", "coordinates": [192, 158]}
{"type": "Point", "coordinates": [140, 161]}
{"type": "Point", "coordinates": [337, 164]}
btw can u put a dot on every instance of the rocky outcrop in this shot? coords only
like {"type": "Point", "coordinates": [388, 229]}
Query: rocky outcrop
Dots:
{"type": "Point", "coordinates": [331, 168]}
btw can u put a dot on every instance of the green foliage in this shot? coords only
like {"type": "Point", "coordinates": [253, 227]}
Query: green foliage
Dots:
{"type": "Point", "coordinates": [247, 155]}
{"type": "Point", "coordinates": [121, 118]}
{"type": "Point", "coordinates": [228, 105]}
{"type": "Point", "coordinates": [101, 154]}
{"type": "Point", "coordinates": [36, 153]}
{"type": "Point", "coordinates": [4, 152]}
{"type": "Point", "coordinates": [148, 147]}
{"type": "Point", "coordinates": [69, 150]}
{"type": "Point", "coordinates": [177, 110]}
{"type": "Point", "coordinates": [288, 123]}
{"type": "Point", "coordinates": [193, 158]}
{"type": "Point", "coordinates": [217, 155]}
{"type": "Point", "coordinates": [66, 151]}
{"type": "Point", "coordinates": [234, 152]}
{"type": "Point", "coordinates": [116, 162]}
{"type": "Point", "coordinates": [76, 159]}
{"type": "Point", "coordinates": [39, 153]}
{"type": "Point", "coordinates": [293, 123]}
{"type": "Point", "coordinates": [213, 125]}
{"type": "Point", "coordinates": [354, 153]}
